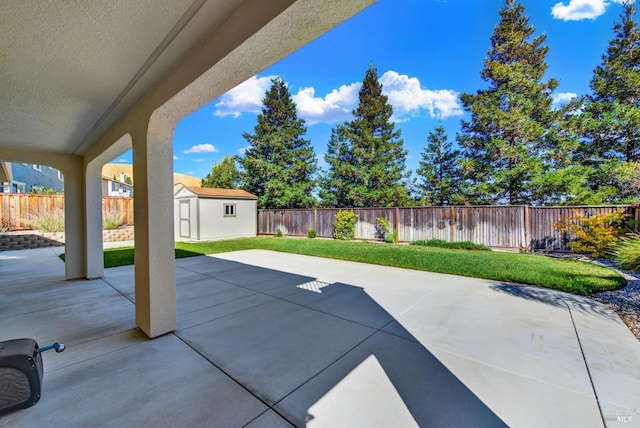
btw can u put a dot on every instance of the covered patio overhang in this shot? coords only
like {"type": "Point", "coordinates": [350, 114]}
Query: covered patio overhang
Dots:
{"type": "Point", "coordinates": [82, 84]}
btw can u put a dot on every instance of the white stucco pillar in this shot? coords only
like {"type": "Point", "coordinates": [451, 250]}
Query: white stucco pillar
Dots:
{"type": "Point", "coordinates": [93, 209]}
{"type": "Point", "coordinates": [155, 281]}
{"type": "Point", "coordinates": [74, 222]}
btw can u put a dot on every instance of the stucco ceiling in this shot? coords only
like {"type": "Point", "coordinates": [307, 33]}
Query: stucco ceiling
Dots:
{"type": "Point", "coordinates": [74, 72]}
{"type": "Point", "coordinates": [70, 66]}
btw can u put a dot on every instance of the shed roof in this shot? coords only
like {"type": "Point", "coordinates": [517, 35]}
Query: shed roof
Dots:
{"type": "Point", "coordinates": [221, 193]}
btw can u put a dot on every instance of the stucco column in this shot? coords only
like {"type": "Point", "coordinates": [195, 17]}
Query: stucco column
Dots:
{"type": "Point", "coordinates": [93, 209]}
{"type": "Point", "coordinates": [155, 281]}
{"type": "Point", "coordinates": [74, 221]}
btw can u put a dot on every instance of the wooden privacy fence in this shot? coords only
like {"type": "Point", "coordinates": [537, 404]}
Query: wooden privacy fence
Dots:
{"type": "Point", "coordinates": [16, 209]}
{"type": "Point", "coordinates": [495, 226]}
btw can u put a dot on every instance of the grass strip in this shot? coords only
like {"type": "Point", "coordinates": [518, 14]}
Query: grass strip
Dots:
{"type": "Point", "coordinates": [560, 274]}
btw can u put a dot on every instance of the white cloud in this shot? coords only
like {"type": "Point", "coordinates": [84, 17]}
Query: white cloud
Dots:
{"type": "Point", "coordinates": [407, 96]}
{"type": "Point", "coordinates": [577, 10]}
{"type": "Point", "coordinates": [336, 106]}
{"type": "Point", "coordinates": [563, 97]}
{"type": "Point", "coordinates": [175, 157]}
{"type": "Point", "coordinates": [405, 93]}
{"type": "Point", "coordinates": [244, 98]}
{"type": "Point", "coordinates": [243, 150]}
{"type": "Point", "coordinates": [198, 160]}
{"type": "Point", "coordinates": [122, 160]}
{"type": "Point", "coordinates": [201, 148]}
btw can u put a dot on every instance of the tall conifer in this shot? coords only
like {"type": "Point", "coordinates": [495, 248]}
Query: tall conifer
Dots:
{"type": "Point", "coordinates": [613, 107]}
{"type": "Point", "coordinates": [507, 139]}
{"type": "Point", "coordinates": [280, 164]}
{"type": "Point", "coordinates": [439, 170]}
{"type": "Point", "coordinates": [365, 155]}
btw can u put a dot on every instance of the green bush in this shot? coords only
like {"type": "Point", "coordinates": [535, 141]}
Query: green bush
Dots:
{"type": "Point", "coordinates": [112, 220]}
{"type": "Point", "coordinates": [311, 233]}
{"type": "Point", "coordinates": [463, 245]}
{"type": "Point", "coordinates": [383, 231]}
{"type": "Point", "coordinates": [279, 233]}
{"type": "Point", "coordinates": [627, 252]}
{"type": "Point", "coordinates": [344, 228]}
{"type": "Point", "coordinates": [48, 222]}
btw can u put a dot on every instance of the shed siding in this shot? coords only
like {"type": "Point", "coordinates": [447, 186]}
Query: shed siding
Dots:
{"type": "Point", "coordinates": [214, 225]}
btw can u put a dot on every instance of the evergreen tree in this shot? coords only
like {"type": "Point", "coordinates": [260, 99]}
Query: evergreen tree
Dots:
{"type": "Point", "coordinates": [279, 164]}
{"type": "Point", "coordinates": [613, 108]}
{"type": "Point", "coordinates": [223, 175]}
{"type": "Point", "coordinates": [507, 140]}
{"type": "Point", "coordinates": [440, 171]}
{"type": "Point", "coordinates": [365, 155]}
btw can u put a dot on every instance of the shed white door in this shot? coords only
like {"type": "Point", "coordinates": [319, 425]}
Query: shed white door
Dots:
{"type": "Point", "coordinates": [185, 218]}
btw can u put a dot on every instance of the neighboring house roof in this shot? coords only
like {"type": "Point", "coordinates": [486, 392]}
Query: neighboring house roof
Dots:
{"type": "Point", "coordinates": [209, 192]}
{"type": "Point", "coordinates": [112, 169]}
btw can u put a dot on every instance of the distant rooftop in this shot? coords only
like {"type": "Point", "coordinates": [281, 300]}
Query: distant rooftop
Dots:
{"type": "Point", "coordinates": [111, 169]}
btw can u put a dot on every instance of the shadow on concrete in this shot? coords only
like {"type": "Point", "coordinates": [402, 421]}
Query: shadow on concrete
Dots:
{"type": "Point", "coordinates": [318, 349]}
{"type": "Point", "coordinates": [557, 299]}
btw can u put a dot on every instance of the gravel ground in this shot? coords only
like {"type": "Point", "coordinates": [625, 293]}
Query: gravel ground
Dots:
{"type": "Point", "coordinates": [625, 301]}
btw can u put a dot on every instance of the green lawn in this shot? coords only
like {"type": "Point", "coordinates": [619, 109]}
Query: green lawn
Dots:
{"type": "Point", "coordinates": [562, 274]}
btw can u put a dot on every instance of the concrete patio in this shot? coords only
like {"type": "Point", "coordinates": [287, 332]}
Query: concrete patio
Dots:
{"type": "Point", "coordinates": [271, 339]}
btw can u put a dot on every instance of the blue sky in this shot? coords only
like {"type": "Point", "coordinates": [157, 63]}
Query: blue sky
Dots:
{"type": "Point", "coordinates": [427, 52]}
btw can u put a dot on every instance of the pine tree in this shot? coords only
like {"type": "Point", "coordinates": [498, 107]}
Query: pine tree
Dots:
{"type": "Point", "coordinates": [279, 164]}
{"type": "Point", "coordinates": [365, 155]}
{"type": "Point", "coordinates": [440, 171]}
{"type": "Point", "coordinates": [507, 139]}
{"type": "Point", "coordinates": [223, 175]}
{"type": "Point", "coordinates": [613, 107]}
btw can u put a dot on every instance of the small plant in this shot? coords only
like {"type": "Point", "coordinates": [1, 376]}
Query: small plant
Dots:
{"type": "Point", "coordinates": [344, 228]}
{"type": "Point", "coordinates": [595, 235]}
{"type": "Point", "coordinates": [311, 233]}
{"type": "Point", "coordinates": [462, 245]}
{"type": "Point", "coordinates": [112, 220]}
{"type": "Point", "coordinates": [278, 233]}
{"type": "Point", "coordinates": [383, 231]}
{"type": "Point", "coordinates": [627, 252]}
{"type": "Point", "coordinates": [392, 238]}
{"type": "Point", "coordinates": [48, 222]}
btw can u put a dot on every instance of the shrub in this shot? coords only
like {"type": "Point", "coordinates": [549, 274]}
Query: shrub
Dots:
{"type": "Point", "coordinates": [392, 238]}
{"type": "Point", "coordinates": [462, 245]}
{"type": "Point", "coordinates": [43, 191]}
{"type": "Point", "coordinates": [382, 228]}
{"type": "Point", "coordinates": [48, 222]}
{"type": "Point", "coordinates": [311, 233]}
{"type": "Point", "coordinates": [112, 220]}
{"type": "Point", "coordinates": [594, 235]}
{"type": "Point", "coordinates": [344, 228]}
{"type": "Point", "coordinates": [383, 231]}
{"type": "Point", "coordinates": [279, 233]}
{"type": "Point", "coordinates": [627, 252]}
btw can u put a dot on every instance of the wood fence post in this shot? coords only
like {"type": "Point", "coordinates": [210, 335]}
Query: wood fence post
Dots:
{"type": "Point", "coordinates": [527, 227]}
{"type": "Point", "coordinates": [452, 225]}
{"type": "Point", "coordinates": [315, 219]}
{"type": "Point", "coordinates": [396, 224]}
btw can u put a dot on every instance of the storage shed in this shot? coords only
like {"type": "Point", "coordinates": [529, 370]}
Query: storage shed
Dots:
{"type": "Point", "coordinates": [203, 213]}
